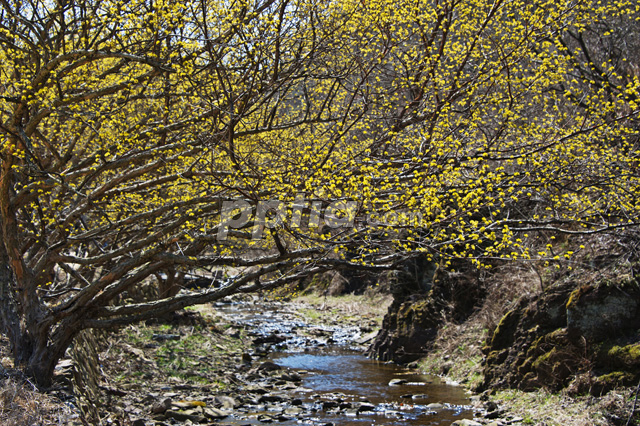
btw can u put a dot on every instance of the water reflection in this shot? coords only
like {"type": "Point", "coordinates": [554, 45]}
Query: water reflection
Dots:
{"type": "Point", "coordinates": [352, 378]}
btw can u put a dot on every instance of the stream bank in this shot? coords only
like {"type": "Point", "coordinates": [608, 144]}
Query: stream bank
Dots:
{"type": "Point", "coordinates": [253, 362]}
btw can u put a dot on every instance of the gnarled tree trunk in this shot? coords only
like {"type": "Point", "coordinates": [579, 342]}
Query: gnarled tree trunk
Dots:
{"type": "Point", "coordinates": [35, 349]}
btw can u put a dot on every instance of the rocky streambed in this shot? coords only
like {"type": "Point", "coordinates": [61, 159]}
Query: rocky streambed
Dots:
{"type": "Point", "coordinates": [290, 369]}
{"type": "Point", "coordinates": [300, 372]}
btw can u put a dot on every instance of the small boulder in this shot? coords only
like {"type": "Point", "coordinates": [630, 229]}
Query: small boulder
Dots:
{"type": "Point", "coordinates": [466, 422]}
{"type": "Point", "coordinates": [215, 414]}
{"type": "Point", "coordinates": [160, 407]}
{"type": "Point", "coordinates": [269, 366]}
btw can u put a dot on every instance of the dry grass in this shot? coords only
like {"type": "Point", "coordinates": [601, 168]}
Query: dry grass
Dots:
{"type": "Point", "coordinates": [370, 305]}
{"type": "Point", "coordinates": [506, 286]}
{"type": "Point", "coordinates": [543, 408]}
{"type": "Point", "coordinates": [456, 354]}
{"type": "Point", "coordinates": [21, 404]}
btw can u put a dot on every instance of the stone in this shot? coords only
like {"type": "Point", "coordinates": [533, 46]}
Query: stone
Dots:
{"type": "Point", "coordinates": [494, 414]}
{"type": "Point", "coordinates": [265, 418]}
{"type": "Point", "coordinates": [271, 398]}
{"type": "Point", "coordinates": [435, 406]}
{"type": "Point", "coordinates": [271, 339]}
{"type": "Point", "coordinates": [225, 402]}
{"type": "Point", "coordinates": [256, 389]}
{"type": "Point", "coordinates": [593, 311]}
{"type": "Point", "coordinates": [366, 406]}
{"type": "Point", "coordinates": [466, 422]}
{"type": "Point", "coordinates": [215, 414]}
{"type": "Point", "coordinates": [269, 366]}
{"type": "Point", "coordinates": [396, 382]}
{"type": "Point", "coordinates": [165, 337]}
{"type": "Point", "coordinates": [194, 415]}
{"type": "Point", "coordinates": [330, 404]}
{"type": "Point", "coordinates": [367, 338]}
{"type": "Point", "coordinates": [293, 411]}
{"type": "Point", "coordinates": [231, 332]}
{"type": "Point", "coordinates": [291, 377]}
{"type": "Point", "coordinates": [161, 406]}
{"type": "Point", "coordinates": [490, 406]}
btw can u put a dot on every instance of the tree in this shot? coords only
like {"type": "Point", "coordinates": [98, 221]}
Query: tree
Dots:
{"type": "Point", "coordinates": [146, 144]}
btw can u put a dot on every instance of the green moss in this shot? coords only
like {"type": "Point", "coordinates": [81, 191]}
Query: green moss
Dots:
{"type": "Point", "coordinates": [505, 331]}
{"type": "Point", "coordinates": [577, 294]}
{"type": "Point", "coordinates": [630, 351]}
{"type": "Point", "coordinates": [544, 360]}
{"type": "Point", "coordinates": [503, 321]}
{"type": "Point", "coordinates": [534, 348]}
{"type": "Point", "coordinates": [496, 357]}
{"type": "Point", "coordinates": [556, 335]}
{"type": "Point", "coordinates": [617, 378]}
{"type": "Point", "coordinates": [526, 366]}
{"type": "Point", "coordinates": [626, 355]}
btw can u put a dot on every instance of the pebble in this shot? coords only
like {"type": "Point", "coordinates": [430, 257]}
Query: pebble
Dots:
{"type": "Point", "coordinates": [225, 402]}
{"type": "Point", "coordinates": [195, 415]}
{"type": "Point", "coordinates": [466, 422]}
{"type": "Point", "coordinates": [215, 414]}
{"type": "Point", "coordinates": [494, 414]}
{"type": "Point", "coordinates": [161, 406]}
{"type": "Point", "coordinates": [269, 366]}
{"type": "Point", "coordinates": [435, 406]}
{"type": "Point", "coordinates": [365, 406]}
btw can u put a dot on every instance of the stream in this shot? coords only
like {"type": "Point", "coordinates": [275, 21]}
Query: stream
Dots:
{"type": "Point", "coordinates": [316, 374]}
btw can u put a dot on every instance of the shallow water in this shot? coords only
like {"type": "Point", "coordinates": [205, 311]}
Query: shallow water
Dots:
{"type": "Point", "coordinates": [337, 380]}
{"type": "Point", "coordinates": [355, 378]}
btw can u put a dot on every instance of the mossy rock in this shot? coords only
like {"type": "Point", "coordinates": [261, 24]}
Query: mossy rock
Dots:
{"type": "Point", "coordinates": [545, 360]}
{"type": "Point", "coordinates": [413, 320]}
{"type": "Point", "coordinates": [568, 331]}
{"type": "Point", "coordinates": [505, 332]}
{"type": "Point", "coordinates": [607, 382]}
{"type": "Point", "coordinates": [595, 311]}
{"type": "Point", "coordinates": [627, 357]}
{"type": "Point", "coordinates": [555, 368]}
{"type": "Point", "coordinates": [497, 357]}
{"type": "Point", "coordinates": [526, 366]}
{"type": "Point", "coordinates": [577, 295]}
{"type": "Point", "coordinates": [529, 382]}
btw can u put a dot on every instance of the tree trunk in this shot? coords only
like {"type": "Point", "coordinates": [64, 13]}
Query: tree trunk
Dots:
{"type": "Point", "coordinates": [170, 286]}
{"type": "Point", "coordinates": [35, 350]}
{"type": "Point", "coordinates": [37, 354]}
{"type": "Point", "coordinates": [36, 359]}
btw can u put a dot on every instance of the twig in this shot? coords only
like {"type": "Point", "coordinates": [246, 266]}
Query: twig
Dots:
{"type": "Point", "coordinates": [633, 409]}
